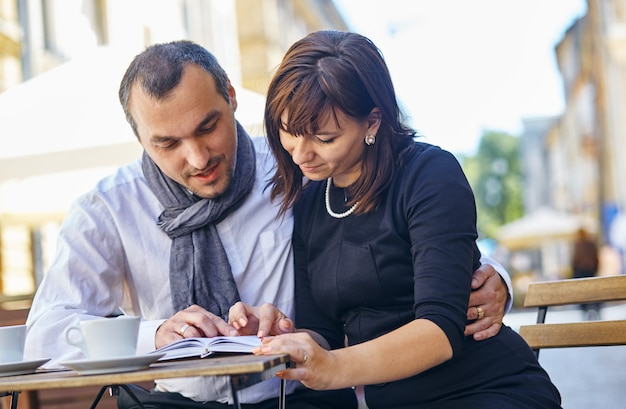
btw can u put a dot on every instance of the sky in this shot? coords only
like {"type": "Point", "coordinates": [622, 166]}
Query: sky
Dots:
{"type": "Point", "coordinates": [461, 67]}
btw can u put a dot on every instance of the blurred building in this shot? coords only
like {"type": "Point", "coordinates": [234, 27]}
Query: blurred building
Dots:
{"type": "Point", "coordinates": [62, 128]}
{"type": "Point", "coordinates": [576, 163]}
{"type": "Point", "coordinates": [534, 159]}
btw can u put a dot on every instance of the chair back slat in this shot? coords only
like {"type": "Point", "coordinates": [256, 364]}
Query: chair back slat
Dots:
{"type": "Point", "coordinates": [579, 334]}
{"type": "Point", "coordinates": [576, 291]}
{"type": "Point", "coordinates": [13, 317]}
{"type": "Point", "coordinates": [543, 295]}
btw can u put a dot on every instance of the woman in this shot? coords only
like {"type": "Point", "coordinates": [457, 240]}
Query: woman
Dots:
{"type": "Point", "coordinates": [384, 244]}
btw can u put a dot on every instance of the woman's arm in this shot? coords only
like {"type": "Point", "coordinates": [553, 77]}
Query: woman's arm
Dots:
{"type": "Point", "coordinates": [387, 358]}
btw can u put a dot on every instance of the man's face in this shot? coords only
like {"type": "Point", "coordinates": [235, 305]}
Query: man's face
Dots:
{"type": "Point", "coordinates": [191, 134]}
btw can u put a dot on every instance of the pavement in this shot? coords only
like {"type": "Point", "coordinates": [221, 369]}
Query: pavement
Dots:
{"type": "Point", "coordinates": [589, 377]}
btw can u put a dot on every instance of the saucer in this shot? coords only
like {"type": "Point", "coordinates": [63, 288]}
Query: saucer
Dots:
{"type": "Point", "coordinates": [21, 367]}
{"type": "Point", "coordinates": [103, 366]}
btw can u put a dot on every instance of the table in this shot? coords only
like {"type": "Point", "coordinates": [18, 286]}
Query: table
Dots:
{"type": "Point", "coordinates": [243, 370]}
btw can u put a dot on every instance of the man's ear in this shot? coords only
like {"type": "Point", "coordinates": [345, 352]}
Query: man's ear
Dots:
{"type": "Point", "coordinates": [232, 95]}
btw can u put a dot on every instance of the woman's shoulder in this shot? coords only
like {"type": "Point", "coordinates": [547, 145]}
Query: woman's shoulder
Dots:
{"type": "Point", "coordinates": [420, 148]}
{"type": "Point", "coordinates": [424, 156]}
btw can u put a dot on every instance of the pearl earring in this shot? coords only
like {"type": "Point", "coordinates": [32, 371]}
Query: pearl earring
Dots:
{"type": "Point", "coordinates": [370, 139]}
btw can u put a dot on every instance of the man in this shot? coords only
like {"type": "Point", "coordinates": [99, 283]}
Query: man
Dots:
{"type": "Point", "coordinates": [180, 235]}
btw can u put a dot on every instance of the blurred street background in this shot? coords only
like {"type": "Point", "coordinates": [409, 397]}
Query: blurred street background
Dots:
{"type": "Point", "coordinates": [530, 95]}
{"type": "Point", "coordinates": [588, 378]}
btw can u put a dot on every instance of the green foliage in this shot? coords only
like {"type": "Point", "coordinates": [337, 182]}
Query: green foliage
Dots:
{"type": "Point", "coordinates": [494, 174]}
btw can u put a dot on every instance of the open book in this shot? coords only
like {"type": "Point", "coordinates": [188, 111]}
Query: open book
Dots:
{"type": "Point", "coordinates": [202, 347]}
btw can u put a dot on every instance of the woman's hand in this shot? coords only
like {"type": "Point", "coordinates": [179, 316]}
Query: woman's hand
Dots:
{"type": "Point", "coordinates": [487, 302]}
{"type": "Point", "coordinates": [313, 364]}
{"type": "Point", "coordinates": [262, 321]}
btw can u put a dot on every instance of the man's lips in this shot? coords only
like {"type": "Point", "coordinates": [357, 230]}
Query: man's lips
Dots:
{"type": "Point", "coordinates": [207, 174]}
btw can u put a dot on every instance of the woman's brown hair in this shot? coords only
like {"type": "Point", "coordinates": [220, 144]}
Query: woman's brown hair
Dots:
{"type": "Point", "coordinates": [324, 72]}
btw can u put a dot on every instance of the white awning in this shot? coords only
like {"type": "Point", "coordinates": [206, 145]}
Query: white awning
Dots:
{"type": "Point", "coordinates": [543, 225]}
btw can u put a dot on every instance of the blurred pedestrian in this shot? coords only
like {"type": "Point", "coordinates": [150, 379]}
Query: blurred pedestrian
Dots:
{"type": "Point", "coordinates": [585, 264]}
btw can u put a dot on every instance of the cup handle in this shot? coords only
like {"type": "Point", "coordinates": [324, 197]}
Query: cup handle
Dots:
{"type": "Point", "coordinates": [76, 341]}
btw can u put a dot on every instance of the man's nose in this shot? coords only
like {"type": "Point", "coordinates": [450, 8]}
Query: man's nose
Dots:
{"type": "Point", "coordinates": [197, 154]}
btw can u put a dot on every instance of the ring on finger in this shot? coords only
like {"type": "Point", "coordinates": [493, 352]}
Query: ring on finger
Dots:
{"type": "Point", "coordinates": [306, 357]}
{"type": "Point", "coordinates": [182, 330]}
{"type": "Point", "coordinates": [480, 312]}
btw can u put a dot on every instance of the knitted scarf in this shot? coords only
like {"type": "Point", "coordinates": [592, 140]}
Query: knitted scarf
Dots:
{"type": "Point", "coordinates": [199, 269]}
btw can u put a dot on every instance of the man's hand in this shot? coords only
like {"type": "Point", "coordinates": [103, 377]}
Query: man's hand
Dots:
{"type": "Point", "coordinates": [262, 321]}
{"type": "Point", "coordinates": [487, 302]}
{"type": "Point", "coordinates": [193, 321]}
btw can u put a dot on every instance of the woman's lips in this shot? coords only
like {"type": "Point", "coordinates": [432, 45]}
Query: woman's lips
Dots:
{"type": "Point", "coordinates": [309, 169]}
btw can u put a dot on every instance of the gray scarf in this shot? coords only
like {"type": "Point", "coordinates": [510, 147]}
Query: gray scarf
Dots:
{"type": "Point", "coordinates": [199, 269]}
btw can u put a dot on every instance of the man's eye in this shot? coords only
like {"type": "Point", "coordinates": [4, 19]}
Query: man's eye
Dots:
{"type": "Point", "coordinates": [166, 145]}
{"type": "Point", "coordinates": [207, 129]}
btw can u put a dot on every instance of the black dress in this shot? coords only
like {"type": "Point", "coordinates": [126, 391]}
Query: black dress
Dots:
{"type": "Point", "coordinates": [363, 276]}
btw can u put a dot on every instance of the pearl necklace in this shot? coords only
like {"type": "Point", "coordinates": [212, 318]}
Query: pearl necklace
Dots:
{"type": "Point", "coordinates": [329, 210]}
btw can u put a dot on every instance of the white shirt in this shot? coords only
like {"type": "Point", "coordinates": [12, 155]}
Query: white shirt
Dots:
{"type": "Point", "coordinates": [112, 257]}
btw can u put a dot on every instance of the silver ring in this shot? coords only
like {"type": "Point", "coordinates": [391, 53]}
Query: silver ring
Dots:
{"type": "Point", "coordinates": [182, 330]}
{"type": "Point", "coordinates": [306, 357]}
{"type": "Point", "coordinates": [480, 312]}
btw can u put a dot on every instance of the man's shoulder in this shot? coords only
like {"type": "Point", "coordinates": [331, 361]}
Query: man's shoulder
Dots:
{"type": "Point", "coordinates": [125, 183]}
{"type": "Point", "coordinates": [261, 145]}
{"type": "Point", "coordinates": [128, 174]}
{"type": "Point", "coordinates": [264, 157]}
{"type": "Point", "coordinates": [123, 196]}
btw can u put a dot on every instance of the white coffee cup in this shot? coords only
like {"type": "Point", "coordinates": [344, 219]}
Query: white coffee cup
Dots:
{"type": "Point", "coordinates": [12, 339]}
{"type": "Point", "coordinates": [105, 338]}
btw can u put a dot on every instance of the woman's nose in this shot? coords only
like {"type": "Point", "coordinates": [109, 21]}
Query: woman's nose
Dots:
{"type": "Point", "coordinates": [301, 152]}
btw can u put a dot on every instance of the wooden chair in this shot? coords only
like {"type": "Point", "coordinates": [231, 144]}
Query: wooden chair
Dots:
{"type": "Point", "coordinates": [574, 334]}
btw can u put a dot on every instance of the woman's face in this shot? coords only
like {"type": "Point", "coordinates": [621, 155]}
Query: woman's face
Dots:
{"type": "Point", "coordinates": [335, 151]}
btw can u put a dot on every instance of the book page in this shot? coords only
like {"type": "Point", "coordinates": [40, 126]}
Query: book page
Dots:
{"type": "Point", "coordinates": [201, 347]}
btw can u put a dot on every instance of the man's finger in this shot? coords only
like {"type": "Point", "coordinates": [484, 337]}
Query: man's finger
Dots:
{"type": "Point", "coordinates": [472, 313]}
{"type": "Point", "coordinates": [487, 332]}
{"type": "Point", "coordinates": [223, 328]}
{"type": "Point", "coordinates": [481, 275]}
{"type": "Point", "coordinates": [477, 327]}
{"type": "Point", "coordinates": [210, 325]}
{"type": "Point", "coordinates": [189, 331]}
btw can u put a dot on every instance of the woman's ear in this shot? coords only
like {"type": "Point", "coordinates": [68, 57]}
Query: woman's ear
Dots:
{"type": "Point", "coordinates": [373, 121]}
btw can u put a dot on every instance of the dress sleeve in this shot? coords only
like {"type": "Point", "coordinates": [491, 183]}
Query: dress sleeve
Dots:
{"type": "Point", "coordinates": [441, 215]}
